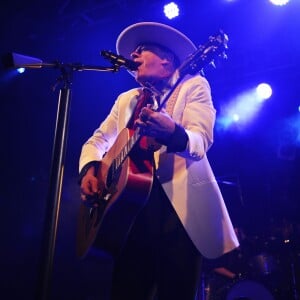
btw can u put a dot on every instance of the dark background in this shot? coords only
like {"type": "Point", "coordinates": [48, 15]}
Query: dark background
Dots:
{"type": "Point", "coordinates": [257, 166]}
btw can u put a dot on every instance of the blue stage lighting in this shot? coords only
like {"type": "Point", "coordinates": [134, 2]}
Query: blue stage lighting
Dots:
{"type": "Point", "coordinates": [279, 2]}
{"type": "Point", "coordinates": [264, 91]}
{"type": "Point", "coordinates": [242, 109]}
{"type": "Point", "coordinates": [171, 10]}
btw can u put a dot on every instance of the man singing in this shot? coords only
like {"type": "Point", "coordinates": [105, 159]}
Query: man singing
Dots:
{"type": "Point", "coordinates": [184, 217]}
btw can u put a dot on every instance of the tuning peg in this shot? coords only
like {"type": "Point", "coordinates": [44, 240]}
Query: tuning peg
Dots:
{"type": "Point", "coordinates": [212, 64]}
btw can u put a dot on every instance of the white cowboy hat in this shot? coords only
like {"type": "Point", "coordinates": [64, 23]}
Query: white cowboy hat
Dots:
{"type": "Point", "coordinates": [152, 32]}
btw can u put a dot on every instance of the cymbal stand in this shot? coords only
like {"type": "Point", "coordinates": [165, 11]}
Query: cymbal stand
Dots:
{"type": "Point", "coordinates": [294, 281]}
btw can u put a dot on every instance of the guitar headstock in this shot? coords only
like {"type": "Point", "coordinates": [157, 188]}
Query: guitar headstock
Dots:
{"type": "Point", "coordinates": [216, 46]}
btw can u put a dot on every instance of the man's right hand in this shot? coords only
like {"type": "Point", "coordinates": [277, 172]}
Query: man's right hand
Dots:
{"type": "Point", "coordinates": [89, 187]}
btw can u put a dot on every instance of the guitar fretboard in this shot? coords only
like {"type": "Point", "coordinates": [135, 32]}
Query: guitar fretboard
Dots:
{"type": "Point", "coordinates": [119, 159]}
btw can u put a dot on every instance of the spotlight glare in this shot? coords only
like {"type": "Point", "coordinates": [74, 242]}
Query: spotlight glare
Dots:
{"type": "Point", "coordinates": [264, 91]}
{"type": "Point", "coordinates": [241, 110]}
{"type": "Point", "coordinates": [171, 10]}
{"type": "Point", "coordinates": [235, 117]}
{"type": "Point", "coordinates": [21, 70]}
{"type": "Point", "coordinates": [279, 2]}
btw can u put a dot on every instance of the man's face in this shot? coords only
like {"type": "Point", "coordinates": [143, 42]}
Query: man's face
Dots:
{"type": "Point", "coordinates": [155, 65]}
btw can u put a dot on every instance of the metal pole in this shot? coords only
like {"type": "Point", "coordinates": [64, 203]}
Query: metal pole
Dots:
{"type": "Point", "coordinates": [54, 193]}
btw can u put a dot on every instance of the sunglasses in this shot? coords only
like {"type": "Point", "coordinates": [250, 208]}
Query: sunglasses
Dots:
{"type": "Point", "coordinates": [161, 51]}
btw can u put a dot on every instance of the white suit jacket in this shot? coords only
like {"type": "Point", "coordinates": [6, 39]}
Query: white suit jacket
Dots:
{"type": "Point", "coordinates": [186, 177]}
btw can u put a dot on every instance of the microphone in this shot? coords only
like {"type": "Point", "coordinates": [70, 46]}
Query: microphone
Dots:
{"type": "Point", "coordinates": [119, 60]}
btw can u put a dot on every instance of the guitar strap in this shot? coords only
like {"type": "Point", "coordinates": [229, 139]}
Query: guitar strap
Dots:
{"type": "Point", "coordinates": [172, 100]}
{"type": "Point", "coordinates": [145, 98]}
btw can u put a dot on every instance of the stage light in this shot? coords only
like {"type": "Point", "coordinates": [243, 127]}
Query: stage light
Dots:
{"type": "Point", "coordinates": [241, 110]}
{"type": "Point", "coordinates": [279, 2]}
{"type": "Point", "coordinates": [236, 117]}
{"type": "Point", "coordinates": [263, 91]}
{"type": "Point", "coordinates": [21, 70]}
{"type": "Point", "coordinates": [171, 10]}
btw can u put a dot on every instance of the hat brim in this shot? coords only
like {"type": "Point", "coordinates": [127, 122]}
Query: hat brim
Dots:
{"type": "Point", "coordinates": [152, 32]}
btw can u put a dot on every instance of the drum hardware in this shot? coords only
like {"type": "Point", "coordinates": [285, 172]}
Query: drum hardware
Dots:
{"type": "Point", "coordinates": [263, 264]}
{"type": "Point", "coordinates": [294, 284]}
{"type": "Point", "coordinates": [270, 266]}
{"type": "Point", "coordinates": [249, 290]}
{"type": "Point", "coordinates": [291, 257]}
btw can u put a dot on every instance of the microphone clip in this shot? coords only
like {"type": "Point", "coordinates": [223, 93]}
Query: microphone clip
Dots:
{"type": "Point", "coordinates": [120, 61]}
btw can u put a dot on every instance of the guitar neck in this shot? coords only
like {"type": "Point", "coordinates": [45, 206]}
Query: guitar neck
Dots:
{"type": "Point", "coordinates": [132, 141]}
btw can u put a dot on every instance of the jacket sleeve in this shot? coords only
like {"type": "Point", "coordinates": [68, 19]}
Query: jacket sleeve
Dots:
{"type": "Point", "coordinates": [198, 117]}
{"type": "Point", "coordinates": [101, 140]}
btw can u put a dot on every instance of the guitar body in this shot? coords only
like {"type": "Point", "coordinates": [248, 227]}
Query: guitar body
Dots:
{"type": "Point", "coordinates": [107, 225]}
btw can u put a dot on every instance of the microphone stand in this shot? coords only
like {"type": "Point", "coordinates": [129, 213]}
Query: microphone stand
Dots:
{"type": "Point", "coordinates": [57, 167]}
{"type": "Point", "coordinates": [56, 173]}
